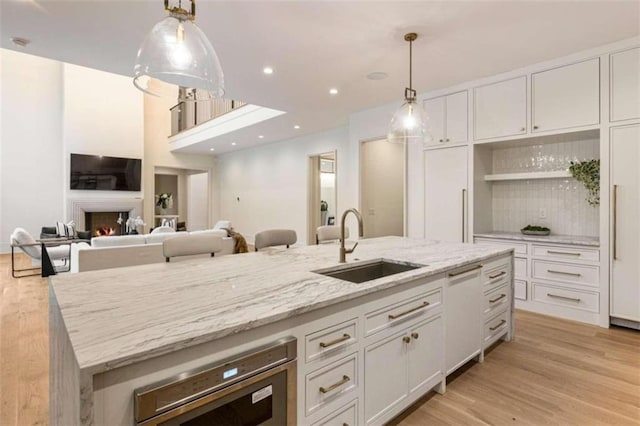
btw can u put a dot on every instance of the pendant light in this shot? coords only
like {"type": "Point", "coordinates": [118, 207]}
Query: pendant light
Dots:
{"type": "Point", "coordinates": [408, 124]}
{"type": "Point", "coordinates": [177, 54]}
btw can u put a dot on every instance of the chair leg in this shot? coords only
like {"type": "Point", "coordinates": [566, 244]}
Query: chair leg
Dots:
{"type": "Point", "coordinates": [166, 259]}
{"type": "Point", "coordinates": [287, 245]}
{"type": "Point", "coordinates": [15, 271]}
{"type": "Point", "coordinates": [213, 254]}
{"type": "Point", "coordinates": [256, 248]}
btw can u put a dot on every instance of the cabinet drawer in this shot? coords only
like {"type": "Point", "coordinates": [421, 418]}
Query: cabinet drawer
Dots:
{"type": "Point", "coordinates": [393, 315]}
{"type": "Point", "coordinates": [566, 272]}
{"type": "Point", "coordinates": [330, 383]}
{"type": "Point", "coordinates": [347, 415]}
{"type": "Point", "coordinates": [565, 297]}
{"type": "Point", "coordinates": [496, 274]}
{"type": "Point", "coordinates": [496, 300]}
{"type": "Point", "coordinates": [518, 248]}
{"type": "Point", "coordinates": [331, 341]}
{"type": "Point", "coordinates": [520, 267]}
{"type": "Point", "coordinates": [566, 253]}
{"type": "Point", "coordinates": [495, 327]}
{"type": "Point", "coordinates": [520, 290]}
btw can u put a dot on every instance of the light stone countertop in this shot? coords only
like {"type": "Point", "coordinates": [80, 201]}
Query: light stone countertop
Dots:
{"type": "Point", "coordinates": [576, 240]}
{"type": "Point", "coordinates": [117, 317]}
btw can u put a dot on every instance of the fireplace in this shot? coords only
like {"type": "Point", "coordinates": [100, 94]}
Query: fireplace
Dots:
{"type": "Point", "coordinates": [78, 208]}
{"type": "Point", "coordinates": [105, 223]}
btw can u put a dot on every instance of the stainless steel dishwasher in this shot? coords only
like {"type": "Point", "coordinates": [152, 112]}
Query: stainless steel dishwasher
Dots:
{"type": "Point", "coordinates": [253, 388]}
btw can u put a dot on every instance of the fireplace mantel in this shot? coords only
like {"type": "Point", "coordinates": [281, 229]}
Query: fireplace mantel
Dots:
{"type": "Point", "coordinates": [79, 206]}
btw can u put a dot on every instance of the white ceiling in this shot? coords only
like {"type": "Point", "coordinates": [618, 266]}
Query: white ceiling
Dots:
{"type": "Point", "coordinates": [316, 45]}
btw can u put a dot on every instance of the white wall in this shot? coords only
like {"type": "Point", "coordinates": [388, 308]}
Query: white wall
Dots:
{"type": "Point", "coordinates": [197, 201]}
{"type": "Point", "coordinates": [266, 187]}
{"type": "Point", "coordinates": [31, 171]}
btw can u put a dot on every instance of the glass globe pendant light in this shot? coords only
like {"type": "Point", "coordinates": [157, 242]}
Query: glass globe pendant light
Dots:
{"type": "Point", "coordinates": [176, 53]}
{"type": "Point", "coordinates": [409, 124]}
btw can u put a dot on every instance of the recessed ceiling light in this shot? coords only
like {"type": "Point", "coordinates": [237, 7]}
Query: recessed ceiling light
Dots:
{"type": "Point", "coordinates": [261, 137]}
{"type": "Point", "coordinates": [19, 41]}
{"type": "Point", "coordinates": [267, 70]}
{"type": "Point", "coordinates": [212, 149]}
{"type": "Point", "coordinates": [377, 75]}
{"type": "Point", "coordinates": [296, 127]}
{"type": "Point", "coordinates": [333, 91]}
{"type": "Point", "coordinates": [233, 144]}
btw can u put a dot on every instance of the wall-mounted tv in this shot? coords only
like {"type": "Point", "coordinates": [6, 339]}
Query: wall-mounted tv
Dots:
{"type": "Point", "coordinates": [101, 173]}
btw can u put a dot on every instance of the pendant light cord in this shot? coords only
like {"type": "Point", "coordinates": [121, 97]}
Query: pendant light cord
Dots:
{"type": "Point", "coordinates": [410, 64]}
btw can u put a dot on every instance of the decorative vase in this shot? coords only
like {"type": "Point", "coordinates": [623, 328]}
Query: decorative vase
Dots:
{"type": "Point", "coordinates": [323, 217]}
{"type": "Point", "coordinates": [163, 212]}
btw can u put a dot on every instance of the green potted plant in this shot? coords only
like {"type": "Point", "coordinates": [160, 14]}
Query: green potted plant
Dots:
{"type": "Point", "coordinates": [164, 201]}
{"type": "Point", "coordinates": [588, 173]}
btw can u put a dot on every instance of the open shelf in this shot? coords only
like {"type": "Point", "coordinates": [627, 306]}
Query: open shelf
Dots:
{"type": "Point", "coordinates": [558, 174]}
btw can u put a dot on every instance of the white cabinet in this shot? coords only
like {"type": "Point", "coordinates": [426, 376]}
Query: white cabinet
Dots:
{"type": "Point", "coordinates": [463, 317]}
{"type": "Point", "coordinates": [625, 85]}
{"type": "Point", "coordinates": [403, 364]}
{"type": "Point", "coordinates": [445, 194]}
{"type": "Point", "coordinates": [566, 97]}
{"type": "Point", "coordinates": [500, 109]}
{"type": "Point", "coordinates": [625, 178]}
{"type": "Point", "coordinates": [447, 119]}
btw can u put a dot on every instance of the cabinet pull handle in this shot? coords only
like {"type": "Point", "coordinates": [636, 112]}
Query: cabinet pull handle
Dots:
{"type": "Point", "coordinates": [447, 139]}
{"type": "Point", "coordinates": [396, 316]}
{"type": "Point", "coordinates": [344, 380]}
{"type": "Point", "coordinates": [406, 339]}
{"type": "Point", "coordinates": [615, 222]}
{"type": "Point", "coordinates": [500, 324]}
{"type": "Point", "coordinates": [344, 338]}
{"type": "Point", "coordinates": [498, 275]}
{"type": "Point", "coordinates": [573, 299]}
{"type": "Point", "coordinates": [573, 274]}
{"type": "Point", "coordinates": [502, 296]}
{"type": "Point", "coordinates": [415, 335]}
{"type": "Point", "coordinates": [522, 129]}
{"type": "Point", "coordinates": [464, 196]}
{"type": "Point", "coordinates": [473, 268]}
{"type": "Point", "coordinates": [563, 252]}
{"type": "Point", "coordinates": [535, 127]}
{"type": "Point", "coordinates": [345, 424]}
{"type": "Point", "coordinates": [441, 140]}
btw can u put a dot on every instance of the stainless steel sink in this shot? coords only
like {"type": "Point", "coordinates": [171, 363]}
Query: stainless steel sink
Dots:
{"type": "Point", "coordinates": [370, 270]}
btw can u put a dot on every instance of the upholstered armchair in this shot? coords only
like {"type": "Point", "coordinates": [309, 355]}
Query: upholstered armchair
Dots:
{"type": "Point", "coordinates": [58, 251]}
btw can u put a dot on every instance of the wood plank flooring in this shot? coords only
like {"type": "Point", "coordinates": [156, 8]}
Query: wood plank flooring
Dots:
{"type": "Point", "coordinates": [555, 372]}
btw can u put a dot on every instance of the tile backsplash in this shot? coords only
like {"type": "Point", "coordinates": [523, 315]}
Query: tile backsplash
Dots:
{"type": "Point", "coordinates": [563, 201]}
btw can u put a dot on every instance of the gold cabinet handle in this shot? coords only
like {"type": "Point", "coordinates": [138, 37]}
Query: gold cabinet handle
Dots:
{"type": "Point", "coordinates": [522, 129]}
{"type": "Point", "coordinates": [464, 271]}
{"type": "Point", "coordinates": [406, 339]}
{"type": "Point", "coordinates": [415, 335]}
{"type": "Point", "coordinates": [500, 324]}
{"type": "Point", "coordinates": [557, 296]}
{"type": "Point", "coordinates": [614, 231]}
{"type": "Point", "coordinates": [344, 380]}
{"type": "Point", "coordinates": [502, 296]}
{"type": "Point", "coordinates": [573, 274]}
{"type": "Point", "coordinates": [448, 139]}
{"type": "Point", "coordinates": [344, 338]}
{"type": "Point", "coordinates": [563, 252]}
{"type": "Point", "coordinates": [535, 127]}
{"type": "Point", "coordinates": [396, 316]}
{"type": "Point", "coordinates": [499, 274]}
{"type": "Point", "coordinates": [441, 140]}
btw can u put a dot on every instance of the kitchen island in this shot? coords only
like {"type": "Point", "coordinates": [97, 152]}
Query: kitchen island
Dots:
{"type": "Point", "coordinates": [116, 330]}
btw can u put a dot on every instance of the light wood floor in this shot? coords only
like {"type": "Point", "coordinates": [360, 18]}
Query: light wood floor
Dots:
{"type": "Point", "coordinates": [555, 372]}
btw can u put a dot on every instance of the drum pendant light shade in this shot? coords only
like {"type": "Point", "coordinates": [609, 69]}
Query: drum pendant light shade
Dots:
{"type": "Point", "coordinates": [177, 52]}
{"type": "Point", "coordinates": [409, 123]}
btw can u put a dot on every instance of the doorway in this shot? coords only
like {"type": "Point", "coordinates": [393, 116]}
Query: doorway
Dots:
{"type": "Point", "coordinates": [322, 198]}
{"type": "Point", "coordinates": [382, 188]}
{"type": "Point", "coordinates": [187, 194]}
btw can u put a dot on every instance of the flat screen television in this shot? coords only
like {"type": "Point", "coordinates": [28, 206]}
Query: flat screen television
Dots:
{"type": "Point", "coordinates": [101, 173]}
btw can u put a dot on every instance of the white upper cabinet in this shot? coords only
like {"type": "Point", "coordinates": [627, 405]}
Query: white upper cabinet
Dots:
{"type": "Point", "coordinates": [500, 109]}
{"type": "Point", "coordinates": [447, 119]}
{"type": "Point", "coordinates": [625, 85]}
{"type": "Point", "coordinates": [566, 97]}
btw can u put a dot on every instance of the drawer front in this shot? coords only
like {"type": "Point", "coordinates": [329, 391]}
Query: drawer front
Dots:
{"type": "Point", "coordinates": [332, 341]}
{"type": "Point", "coordinates": [496, 326]}
{"type": "Point", "coordinates": [327, 384]}
{"type": "Point", "coordinates": [496, 274]}
{"type": "Point", "coordinates": [519, 248]}
{"type": "Point", "coordinates": [520, 267]}
{"type": "Point", "coordinates": [566, 253]}
{"type": "Point", "coordinates": [347, 415]}
{"type": "Point", "coordinates": [398, 313]}
{"type": "Point", "coordinates": [570, 298]}
{"type": "Point", "coordinates": [566, 272]}
{"type": "Point", "coordinates": [520, 289]}
{"type": "Point", "coordinates": [496, 300]}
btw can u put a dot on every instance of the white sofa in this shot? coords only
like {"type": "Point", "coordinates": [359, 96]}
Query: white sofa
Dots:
{"type": "Point", "coordinates": [130, 250]}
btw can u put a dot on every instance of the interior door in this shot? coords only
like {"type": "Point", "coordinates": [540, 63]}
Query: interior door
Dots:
{"type": "Point", "coordinates": [625, 178]}
{"type": "Point", "coordinates": [445, 194]}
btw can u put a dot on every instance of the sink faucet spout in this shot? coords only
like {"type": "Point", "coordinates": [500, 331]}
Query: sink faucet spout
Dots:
{"type": "Point", "coordinates": [343, 250]}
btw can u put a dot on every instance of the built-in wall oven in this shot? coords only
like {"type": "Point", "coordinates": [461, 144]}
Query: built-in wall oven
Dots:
{"type": "Point", "coordinates": [252, 388]}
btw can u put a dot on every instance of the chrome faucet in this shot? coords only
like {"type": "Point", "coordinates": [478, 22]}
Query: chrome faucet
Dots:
{"type": "Point", "coordinates": [343, 250]}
